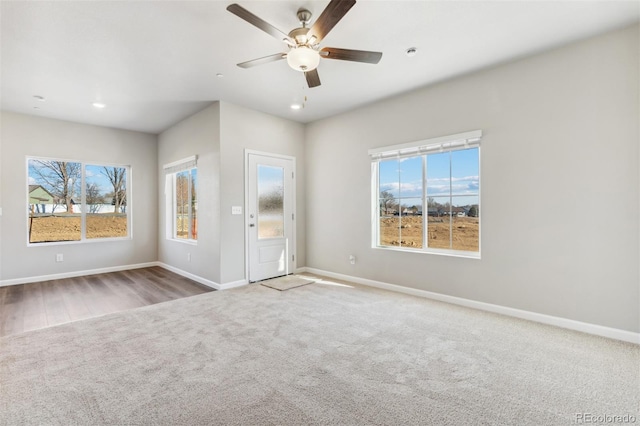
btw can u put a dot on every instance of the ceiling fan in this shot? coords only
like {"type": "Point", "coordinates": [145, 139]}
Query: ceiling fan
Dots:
{"type": "Point", "coordinates": [304, 51]}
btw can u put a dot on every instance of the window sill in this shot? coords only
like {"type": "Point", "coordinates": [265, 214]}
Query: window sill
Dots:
{"type": "Point", "coordinates": [85, 241]}
{"type": "Point", "coordinates": [439, 252]}
{"type": "Point", "coordinates": [190, 242]}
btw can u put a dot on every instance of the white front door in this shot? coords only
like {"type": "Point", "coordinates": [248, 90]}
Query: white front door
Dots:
{"type": "Point", "coordinates": [270, 216]}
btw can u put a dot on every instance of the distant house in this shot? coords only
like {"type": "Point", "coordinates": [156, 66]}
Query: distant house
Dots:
{"type": "Point", "coordinates": [39, 198]}
{"type": "Point", "coordinates": [409, 211]}
{"type": "Point", "coordinates": [458, 211]}
{"type": "Point", "coordinates": [434, 211]}
{"type": "Point", "coordinates": [42, 201]}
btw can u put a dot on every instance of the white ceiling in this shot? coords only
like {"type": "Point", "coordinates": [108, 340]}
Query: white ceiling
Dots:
{"type": "Point", "coordinates": [154, 63]}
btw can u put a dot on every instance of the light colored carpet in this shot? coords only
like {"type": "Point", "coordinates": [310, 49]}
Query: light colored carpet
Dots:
{"type": "Point", "coordinates": [287, 282]}
{"type": "Point", "coordinates": [327, 353]}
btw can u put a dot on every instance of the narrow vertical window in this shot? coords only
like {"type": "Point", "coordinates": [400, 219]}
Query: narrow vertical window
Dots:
{"type": "Point", "coordinates": [182, 200]}
{"type": "Point", "coordinates": [186, 205]}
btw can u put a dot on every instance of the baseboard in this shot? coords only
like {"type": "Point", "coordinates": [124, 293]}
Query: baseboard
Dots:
{"type": "Point", "coordinates": [40, 278]}
{"type": "Point", "coordinates": [191, 276]}
{"type": "Point", "coordinates": [73, 274]}
{"type": "Point", "coordinates": [598, 330]}
{"type": "Point", "coordinates": [233, 284]}
{"type": "Point", "coordinates": [201, 280]}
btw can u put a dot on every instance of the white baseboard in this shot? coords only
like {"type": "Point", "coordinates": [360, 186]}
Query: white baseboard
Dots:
{"type": "Point", "coordinates": [191, 276]}
{"type": "Point", "coordinates": [73, 274]}
{"type": "Point", "coordinates": [201, 280]}
{"type": "Point", "coordinates": [598, 330]}
{"type": "Point", "coordinates": [233, 284]}
{"type": "Point", "coordinates": [40, 278]}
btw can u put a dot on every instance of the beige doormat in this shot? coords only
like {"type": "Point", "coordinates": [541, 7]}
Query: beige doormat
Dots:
{"type": "Point", "coordinates": [287, 282]}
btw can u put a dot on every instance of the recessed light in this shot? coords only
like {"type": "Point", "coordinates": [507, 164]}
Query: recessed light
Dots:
{"type": "Point", "coordinates": [39, 98]}
{"type": "Point", "coordinates": [411, 51]}
{"type": "Point", "coordinates": [219, 75]}
{"type": "Point", "coordinates": [98, 105]}
{"type": "Point", "coordinates": [296, 106]}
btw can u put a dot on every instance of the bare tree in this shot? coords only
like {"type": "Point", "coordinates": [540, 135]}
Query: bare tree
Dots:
{"type": "Point", "coordinates": [117, 177]}
{"type": "Point", "coordinates": [387, 201]}
{"type": "Point", "coordinates": [61, 179]}
{"type": "Point", "coordinates": [182, 205]}
{"type": "Point", "coordinates": [93, 197]}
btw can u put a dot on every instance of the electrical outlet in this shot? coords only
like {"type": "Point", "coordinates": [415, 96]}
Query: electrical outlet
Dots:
{"type": "Point", "coordinates": [188, 257]}
{"type": "Point", "coordinates": [352, 259]}
{"type": "Point", "coordinates": [59, 257]}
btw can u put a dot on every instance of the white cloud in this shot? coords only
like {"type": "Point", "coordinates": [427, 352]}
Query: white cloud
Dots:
{"type": "Point", "coordinates": [404, 187]}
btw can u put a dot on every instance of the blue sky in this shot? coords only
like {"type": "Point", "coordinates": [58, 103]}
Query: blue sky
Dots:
{"type": "Point", "coordinates": [95, 174]}
{"type": "Point", "coordinates": [270, 179]}
{"type": "Point", "coordinates": [454, 172]}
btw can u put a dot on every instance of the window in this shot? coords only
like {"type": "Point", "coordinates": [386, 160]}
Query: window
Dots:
{"type": "Point", "coordinates": [76, 201]}
{"type": "Point", "coordinates": [182, 206]}
{"type": "Point", "coordinates": [426, 195]}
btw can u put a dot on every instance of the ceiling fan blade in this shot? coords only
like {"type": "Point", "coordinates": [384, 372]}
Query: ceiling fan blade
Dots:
{"type": "Point", "coordinates": [329, 17]}
{"type": "Point", "coordinates": [351, 55]}
{"type": "Point", "coordinates": [243, 13]}
{"type": "Point", "coordinates": [261, 61]}
{"type": "Point", "coordinates": [313, 79]}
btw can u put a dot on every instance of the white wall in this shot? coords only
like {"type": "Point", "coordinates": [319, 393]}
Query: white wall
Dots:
{"type": "Point", "coordinates": [198, 135]}
{"type": "Point", "coordinates": [241, 129]}
{"type": "Point", "coordinates": [24, 135]}
{"type": "Point", "coordinates": [560, 184]}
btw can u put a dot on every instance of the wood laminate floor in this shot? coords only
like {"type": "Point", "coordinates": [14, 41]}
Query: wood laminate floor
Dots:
{"type": "Point", "coordinates": [25, 307]}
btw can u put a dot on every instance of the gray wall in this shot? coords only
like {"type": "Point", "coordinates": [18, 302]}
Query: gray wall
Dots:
{"type": "Point", "coordinates": [196, 135]}
{"type": "Point", "coordinates": [241, 129]}
{"type": "Point", "coordinates": [219, 135]}
{"type": "Point", "coordinates": [22, 136]}
{"type": "Point", "coordinates": [560, 187]}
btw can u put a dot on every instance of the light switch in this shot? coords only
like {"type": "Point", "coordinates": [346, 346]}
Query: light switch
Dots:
{"type": "Point", "coordinates": [236, 209]}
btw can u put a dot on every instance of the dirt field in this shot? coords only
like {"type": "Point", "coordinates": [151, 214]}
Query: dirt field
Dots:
{"type": "Point", "coordinates": [465, 232]}
{"type": "Point", "coordinates": [67, 228]}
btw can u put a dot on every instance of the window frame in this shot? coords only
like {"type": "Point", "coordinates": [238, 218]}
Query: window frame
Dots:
{"type": "Point", "coordinates": [83, 204]}
{"type": "Point", "coordinates": [421, 149]}
{"type": "Point", "coordinates": [171, 173]}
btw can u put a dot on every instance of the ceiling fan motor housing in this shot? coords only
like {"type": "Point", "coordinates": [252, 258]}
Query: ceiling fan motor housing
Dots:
{"type": "Point", "coordinates": [300, 36]}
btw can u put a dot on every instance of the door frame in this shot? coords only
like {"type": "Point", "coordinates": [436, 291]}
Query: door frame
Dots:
{"type": "Point", "coordinates": [292, 243]}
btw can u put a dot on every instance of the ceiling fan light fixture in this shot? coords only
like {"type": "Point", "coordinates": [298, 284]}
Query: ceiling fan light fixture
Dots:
{"type": "Point", "coordinates": [303, 58]}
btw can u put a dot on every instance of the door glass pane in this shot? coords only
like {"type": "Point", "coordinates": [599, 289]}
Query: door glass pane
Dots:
{"type": "Point", "coordinates": [270, 201]}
